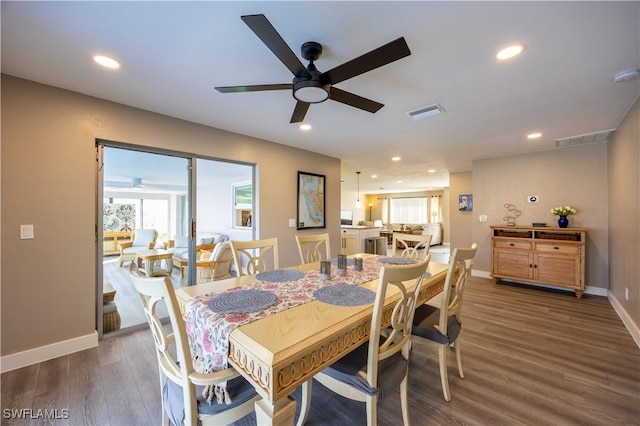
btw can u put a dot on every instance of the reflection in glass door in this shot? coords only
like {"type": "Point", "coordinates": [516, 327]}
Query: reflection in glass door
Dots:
{"type": "Point", "coordinates": [225, 203]}
{"type": "Point", "coordinates": [143, 201]}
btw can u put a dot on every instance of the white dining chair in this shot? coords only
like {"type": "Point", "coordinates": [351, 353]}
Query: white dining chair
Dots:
{"type": "Point", "coordinates": [310, 247]}
{"type": "Point", "coordinates": [441, 325]}
{"type": "Point", "coordinates": [411, 246]}
{"type": "Point", "coordinates": [381, 364]}
{"type": "Point", "coordinates": [180, 385]}
{"type": "Point", "coordinates": [255, 253]}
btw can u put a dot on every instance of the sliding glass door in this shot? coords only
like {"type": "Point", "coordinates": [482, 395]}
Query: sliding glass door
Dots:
{"type": "Point", "coordinates": [188, 204]}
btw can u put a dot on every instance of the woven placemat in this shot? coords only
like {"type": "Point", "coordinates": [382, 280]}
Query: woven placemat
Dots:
{"type": "Point", "coordinates": [280, 275]}
{"type": "Point", "coordinates": [345, 295]}
{"type": "Point", "coordinates": [397, 260]}
{"type": "Point", "coordinates": [242, 301]}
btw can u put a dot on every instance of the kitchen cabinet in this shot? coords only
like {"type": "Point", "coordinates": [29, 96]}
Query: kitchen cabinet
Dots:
{"type": "Point", "coordinates": [539, 255]}
{"type": "Point", "coordinates": [352, 238]}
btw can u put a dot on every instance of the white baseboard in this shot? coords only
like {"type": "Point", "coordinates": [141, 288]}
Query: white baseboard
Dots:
{"type": "Point", "coordinates": [481, 274]}
{"type": "Point", "coordinates": [44, 353]}
{"type": "Point", "coordinates": [626, 319]}
{"type": "Point", "coordinates": [596, 291]}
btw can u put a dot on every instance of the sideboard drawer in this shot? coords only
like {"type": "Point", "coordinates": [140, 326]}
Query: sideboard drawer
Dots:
{"type": "Point", "coordinates": [558, 248]}
{"type": "Point", "coordinates": [513, 244]}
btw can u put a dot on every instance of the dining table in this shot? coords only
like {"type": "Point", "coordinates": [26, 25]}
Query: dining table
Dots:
{"type": "Point", "coordinates": [278, 352]}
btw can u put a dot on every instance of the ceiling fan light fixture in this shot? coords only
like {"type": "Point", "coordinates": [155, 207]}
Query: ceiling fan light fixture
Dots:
{"type": "Point", "coordinates": [310, 91]}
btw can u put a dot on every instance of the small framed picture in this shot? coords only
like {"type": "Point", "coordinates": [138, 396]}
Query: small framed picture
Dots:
{"type": "Point", "coordinates": [465, 202]}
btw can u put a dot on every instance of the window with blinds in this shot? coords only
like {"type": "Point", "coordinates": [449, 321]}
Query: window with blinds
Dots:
{"type": "Point", "coordinates": [409, 210]}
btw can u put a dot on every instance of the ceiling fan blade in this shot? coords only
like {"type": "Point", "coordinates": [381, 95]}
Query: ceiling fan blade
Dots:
{"type": "Point", "coordinates": [254, 88]}
{"type": "Point", "coordinates": [354, 100]}
{"type": "Point", "coordinates": [299, 112]}
{"type": "Point", "coordinates": [383, 55]}
{"type": "Point", "coordinates": [261, 26]}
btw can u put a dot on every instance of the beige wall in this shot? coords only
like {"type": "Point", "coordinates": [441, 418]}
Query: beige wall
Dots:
{"type": "Point", "coordinates": [461, 229]}
{"type": "Point", "coordinates": [624, 213]}
{"type": "Point", "coordinates": [576, 176]}
{"type": "Point", "coordinates": [49, 179]}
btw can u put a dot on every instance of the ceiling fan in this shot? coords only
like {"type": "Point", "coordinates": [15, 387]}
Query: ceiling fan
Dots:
{"type": "Point", "coordinates": [309, 85]}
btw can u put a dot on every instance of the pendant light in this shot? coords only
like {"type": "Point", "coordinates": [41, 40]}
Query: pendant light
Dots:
{"type": "Point", "coordinates": [358, 201]}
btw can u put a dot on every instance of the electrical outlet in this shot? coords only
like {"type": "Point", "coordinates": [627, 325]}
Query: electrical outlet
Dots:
{"type": "Point", "coordinates": [482, 218]}
{"type": "Point", "coordinates": [626, 293]}
{"type": "Point", "coordinates": [533, 199]}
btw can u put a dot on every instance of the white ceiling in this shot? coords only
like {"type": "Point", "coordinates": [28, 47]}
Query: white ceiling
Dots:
{"type": "Point", "coordinates": [174, 53]}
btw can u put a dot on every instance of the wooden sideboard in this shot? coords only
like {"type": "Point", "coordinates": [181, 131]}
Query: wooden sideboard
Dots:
{"type": "Point", "coordinates": [110, 241]}
{"type": "Point", "coordinates": [539, 255]}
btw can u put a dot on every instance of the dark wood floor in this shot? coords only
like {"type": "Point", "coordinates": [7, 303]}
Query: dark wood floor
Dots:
{"type": "Point", "coordinates": [531, 357]}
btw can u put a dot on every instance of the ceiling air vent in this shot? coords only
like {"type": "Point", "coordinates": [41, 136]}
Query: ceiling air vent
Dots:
{"type": "Point", "coordinates": [425, 111]}
{"type": "Point", "coordinates": [589, 138]}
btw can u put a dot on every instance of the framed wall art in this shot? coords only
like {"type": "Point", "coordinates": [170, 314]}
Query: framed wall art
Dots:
{"type": "Point", "coordinates": [311, 212]}
{"type": "Point", "coordinates": [465, 202]}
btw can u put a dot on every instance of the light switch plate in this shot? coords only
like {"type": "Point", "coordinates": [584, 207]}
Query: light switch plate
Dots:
{"type": "Point", "coordinates": [482, 218]}
{"type": "Point", "coordinates": [26, 232]}
{"type": "Point", "coordinates": [292, 223]}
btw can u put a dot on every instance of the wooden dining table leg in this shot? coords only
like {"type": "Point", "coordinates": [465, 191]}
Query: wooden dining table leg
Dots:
{"type": "Point", "coordinates": [281, 412]}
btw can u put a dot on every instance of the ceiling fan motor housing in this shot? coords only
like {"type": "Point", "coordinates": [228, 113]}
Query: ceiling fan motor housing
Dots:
{"type": "Point", "coordinates": [311, 50]}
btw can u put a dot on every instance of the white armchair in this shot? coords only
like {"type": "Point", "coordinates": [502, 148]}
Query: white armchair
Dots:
{"type": "Point", "coordinates": [142, 239]}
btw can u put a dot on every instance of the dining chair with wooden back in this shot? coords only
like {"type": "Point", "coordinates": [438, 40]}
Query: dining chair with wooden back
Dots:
{"type": "Point", "coordinates": [310, 247]}
{"type": "Point", "coordinates": [380, 365]}
{"type": "Point", "coordinates": [411, 246]}
{"type": "Point", "coordinates": [180, 385]}
{"type": "Point", "coordinates": [442, 325]}
{"type": "Point", "coordinates": [256, 254]}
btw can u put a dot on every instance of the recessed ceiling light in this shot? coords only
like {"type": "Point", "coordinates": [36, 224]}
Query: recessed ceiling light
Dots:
{"type": "Point", "coordinates": [510, 52]}
{"type": "Point", "coordinates": [399, 181]}
{"type": "Point", "coordinates": [396, 158]}
{"type": "Point", "coordinates": [305, 127]}
{"type": "Point", "coordinates": [534, 135]}
{"type": "Point", "coordinates": [106, 62]}
{"type": "Point", "coordinates": [374, 176]}
{"type": "Point", "coordinates": [431, 171]}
